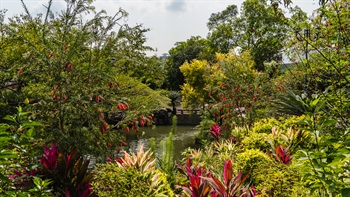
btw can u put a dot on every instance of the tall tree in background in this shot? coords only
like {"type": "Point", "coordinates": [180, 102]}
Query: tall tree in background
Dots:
{"type": "Point", "coordinates": [260, 28]}
{"type": "Point", "coordinates": [193, 48]}
{"type": "Point", "coordinates": [222, 37]}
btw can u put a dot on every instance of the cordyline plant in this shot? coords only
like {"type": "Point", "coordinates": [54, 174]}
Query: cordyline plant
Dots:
{"type": "Point", "coordinates": [142, 161]}
{"type": "Point", "coordinates": [67, 69]}
{"type": "Point", "coordinates": [69, 174]}
{"type": "Point", "coordinates": [215, 132]}
{"type": "Point", "coordinates": [131, 175]}
{"type": "Point", "coordinates": [282, 154]}
{"type": "Point", "coordinates": [198, 187]}
{"type": "Point", "coordinates": [203, 183]}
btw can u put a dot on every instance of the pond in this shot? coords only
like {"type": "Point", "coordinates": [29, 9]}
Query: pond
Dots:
{"type": "Point", "coordinates": [184, 137]}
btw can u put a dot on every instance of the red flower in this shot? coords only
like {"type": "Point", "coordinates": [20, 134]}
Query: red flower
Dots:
{"type": "Point", "coordinates": [65, 47]}
{"type": "Point", "coordinates": [98, 98]}
{"type": "Point", "coordinates": [51, 54]}
{"type": "Point", "coordinates": [248, 105]}
{"type": "Point", "coordinates": [126, 106]}
{"type": "Point", "coordinates": [127, 129]}
{"type": "Point", "coordinates": [110, 84]}
{"type": "Point", "coordinates": [121, 106]}
{"type": "Point", "coordinates": [142, 123]}
{"type": "Point", "coordinates": [255, 99]}
{"type": "Point", "coordinates": [19, 71]}
{"type": "Point", "coordinates": [102, 116]}
{"type": "Point", "coordinates": [69, 67]}
{"type": "Point", "coordinates": [104, 127]}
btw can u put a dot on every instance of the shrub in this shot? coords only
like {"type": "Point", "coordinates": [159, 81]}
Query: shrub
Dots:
{"type": "Point", "coordinates": [277, 180]}
{"type": "Point", "coordinates": [133, 175]}
{"type": "Point", "coordinates": [213, 155]}
{"type": "Point", "coordinates": [265, 125]}
{"type": "Point", "coordinates": [69, 174]}
{"type": "Point", "coordinates": [256, 141]}
{"type": "Point", "coordinates": [253, 161]}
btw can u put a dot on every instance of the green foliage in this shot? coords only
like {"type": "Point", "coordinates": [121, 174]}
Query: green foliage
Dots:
{"type": "Point", "coordinates": [68, 69]}
{"type": "Point", "coordinates": [133, 175]}
{"type": "Point", "coordinates": [19, 147]}
{"type": "Point", "coordinates": [197, 76]}
{"type": "Point", "coordinates": [279, 180]}
{"type": "Point", "coordinates": [259, 27]}
{"type": "Point", "coordinates": [139, 96]}
{"type": "Point", "coordinates": [212, 155]}
{"type": "Point", "coordinates": [193, 48]}
{"type": "Point", "coordinates": [265, 125]}
{"type": "Point", "coordinates": [252, 160]}
{"type": "Point", "coordinates": [41, 187]}
{"type": "Point", "coordinates": [256, 141]}
{"type": "Point", "coordinates": [232, 95]}
{"type": "Point", "coordinates": [167, 156]}
{"type": "Point", "coordinates": [166, 161]}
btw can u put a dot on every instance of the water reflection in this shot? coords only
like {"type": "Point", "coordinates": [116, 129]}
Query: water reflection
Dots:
{"type": "Point", "coordinates": [183, 138]}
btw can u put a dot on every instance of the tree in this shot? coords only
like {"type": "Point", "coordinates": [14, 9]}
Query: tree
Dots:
{"type": "Point", "coordinates": [197, 76]}
{"type": "Point", "coordinates": [193, 48]}
{"type": "Point", "coordinates": [67, 69]}
{"type": "Point", "coordinates": [260, 28]}
{"type": "Point", "coordinates": [224, 17]}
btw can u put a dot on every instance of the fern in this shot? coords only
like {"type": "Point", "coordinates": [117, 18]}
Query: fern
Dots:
{"type": "Point", "coordinates": [167, 162]}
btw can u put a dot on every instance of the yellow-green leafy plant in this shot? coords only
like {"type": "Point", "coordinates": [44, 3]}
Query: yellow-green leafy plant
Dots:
{"type": "Point", "coordinates": [132, 175]}
{"type": "Point", "coordinates": [265, 125]}
{"type": "Point", "coordinates": [213, 155]}
{"type": "Point", "coordinates": [278, 179]}
{"type": "Point", "coordinates": [254, 161]}
{"type": "Point", "coordinates": [256, 141]}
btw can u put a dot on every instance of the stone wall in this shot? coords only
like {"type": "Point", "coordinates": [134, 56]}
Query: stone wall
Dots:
{"type": "Point", "coordinates": [188, 119]}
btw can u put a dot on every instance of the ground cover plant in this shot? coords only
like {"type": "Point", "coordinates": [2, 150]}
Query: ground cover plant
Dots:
{"type": "Point", "coordinates": [72, 88]}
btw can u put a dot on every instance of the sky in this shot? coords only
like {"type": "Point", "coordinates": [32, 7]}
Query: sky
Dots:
{"type": "Point", "coordinates": [169, 21]}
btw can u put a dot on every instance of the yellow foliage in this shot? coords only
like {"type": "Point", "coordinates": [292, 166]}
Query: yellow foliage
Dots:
{"type": "Point", "coordinates": [201, 77]}
{"type": "Point", "coordinates": [239, 66]}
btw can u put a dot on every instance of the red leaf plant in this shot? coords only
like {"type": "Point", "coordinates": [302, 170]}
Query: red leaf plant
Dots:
{"type": "Point", "coordinates": [282, 155]}
{"type": "Point", "coordinates": [197, 187]}
{"type": "Point", "coordinates": [215, 132]}
{"type": "Point", "coordinates": [232, 186]}
{"type": "Point", "coordinates": [203, 183]}
{"type": "Point", "coordinates": [69, 174]}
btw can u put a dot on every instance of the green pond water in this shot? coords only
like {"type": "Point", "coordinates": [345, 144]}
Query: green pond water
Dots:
{"type": "Point", "coordinates": [184, 137]}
